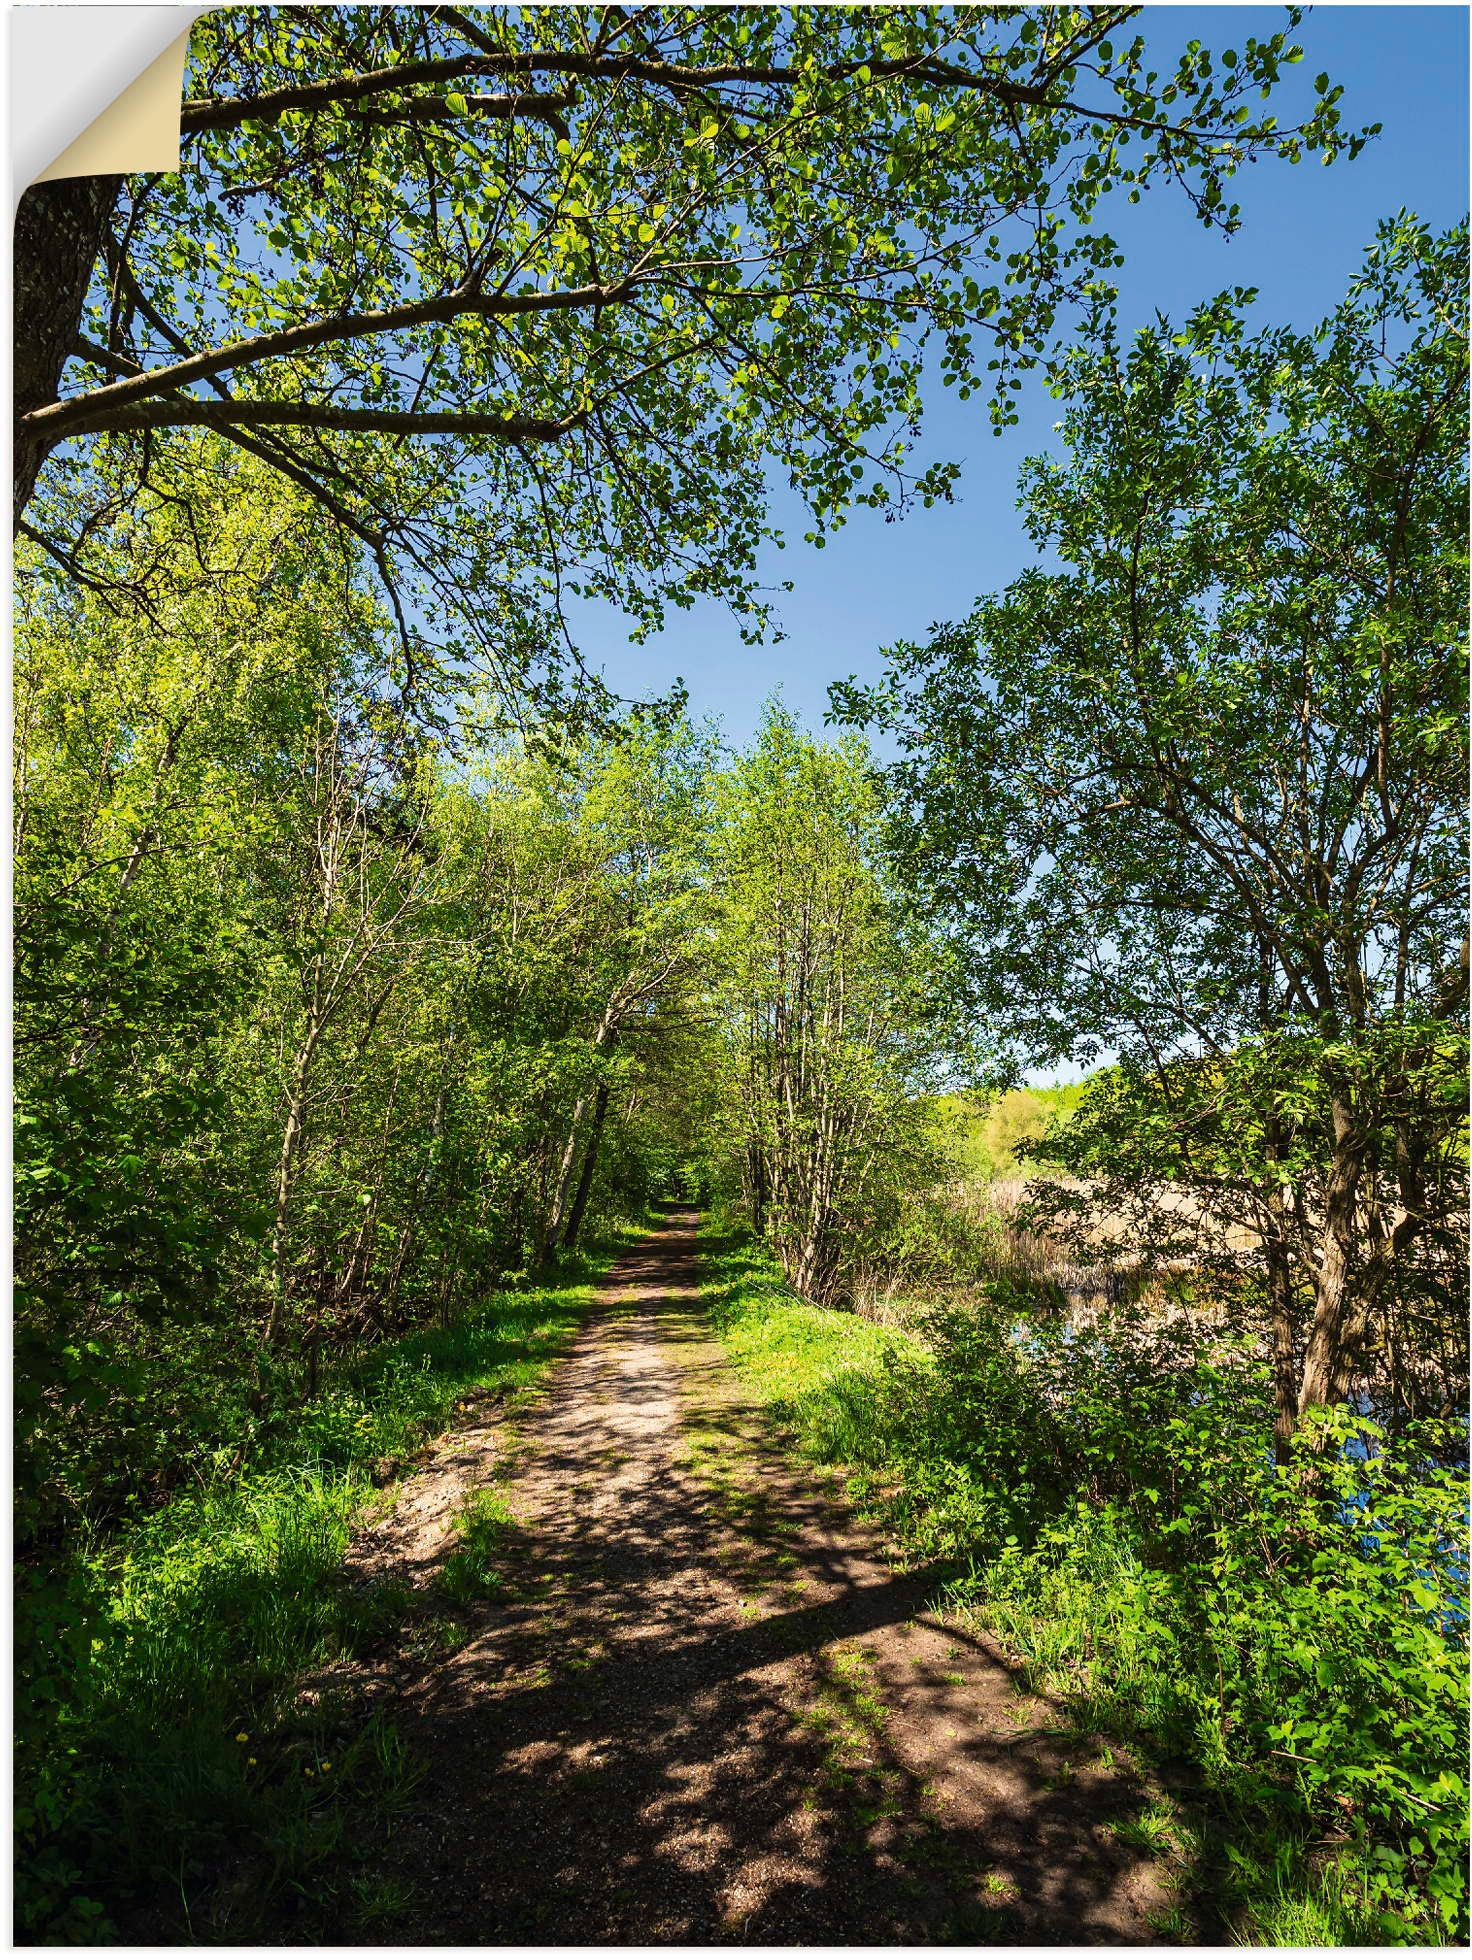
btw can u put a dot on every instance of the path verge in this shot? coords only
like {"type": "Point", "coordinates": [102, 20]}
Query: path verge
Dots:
{"type": "Point", "coordinates": [692, 1700]}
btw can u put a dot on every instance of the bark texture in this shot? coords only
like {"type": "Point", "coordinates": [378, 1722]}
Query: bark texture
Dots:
{"type": "Point", "coordinates": [1340, 1310]}
{"type": "Point", "coordinates": [58, 235]}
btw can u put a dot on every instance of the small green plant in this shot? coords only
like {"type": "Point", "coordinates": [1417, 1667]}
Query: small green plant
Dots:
{"type": "Point", "coordinates": [475, 1568]}
{"type": "Point", "coordinates": [380, 1898]}
{"type": "Point", "coordinates": [1153, 1830]}
{"type": "Point", "coordinates": [1107, 1502]}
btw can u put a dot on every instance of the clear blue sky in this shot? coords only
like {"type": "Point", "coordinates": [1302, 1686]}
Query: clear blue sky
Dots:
{"type": "Point", "coordinates": [1303, 231]}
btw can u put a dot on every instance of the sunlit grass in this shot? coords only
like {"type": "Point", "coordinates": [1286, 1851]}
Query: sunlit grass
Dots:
{"type": "Point", "coordinates": [1112, 1635]}
{"type": "Point", "coordinates": [486, 1531]}
{"type": "Point", "coordinates": [206, 1617]}
{"type": "Point", "coordinates": [815, 1368]}
{"type": "Point", "coordinates": [1328, 1910]}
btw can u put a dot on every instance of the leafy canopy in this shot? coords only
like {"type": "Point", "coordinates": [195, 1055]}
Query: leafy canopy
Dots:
{"type": "Point", "coordinates": [1209, 775]}
{"type": "Point", "coordinates": [532, 300]}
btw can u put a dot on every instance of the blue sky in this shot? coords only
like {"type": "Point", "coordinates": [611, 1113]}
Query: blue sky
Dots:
{"type": "Point", "coordinates": [1303, 231]}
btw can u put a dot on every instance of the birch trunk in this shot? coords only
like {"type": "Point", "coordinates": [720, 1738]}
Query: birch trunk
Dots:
{"type": "Point", "coordinates": [296, 1101]}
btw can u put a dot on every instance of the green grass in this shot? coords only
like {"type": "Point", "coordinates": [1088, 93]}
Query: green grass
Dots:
{"type": "Point", "coordinates": [1191, 1663]}
{"type": "Point", "coordinates": [476, 1569]}
{"type": "Point", "coordinates": [813, 1366]}
{"type": "Point", "coordinates": [174, 1777]}
{"type": "Point", "coordinates": [1324, 1908]}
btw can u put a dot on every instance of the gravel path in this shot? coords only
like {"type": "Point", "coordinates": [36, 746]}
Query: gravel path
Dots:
{"type": "Point", "coordinates": [704, 1707]}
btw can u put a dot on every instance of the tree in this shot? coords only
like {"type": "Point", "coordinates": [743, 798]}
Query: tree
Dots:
{"type": "Point", "coordinates": [833, 996]}
{"type": "Point", "coordinates": [317, 1032]}
{"type": "Point", "coordinates": [637, 839]}
{"type": "Point", "coordinates": [153, 774]}
{"type": "Point", "coordinates": [529, 300]}
{"type": "Point", "coordinates": [361, 874]}
{"type": "Point", "coordinates": [1199, 796]}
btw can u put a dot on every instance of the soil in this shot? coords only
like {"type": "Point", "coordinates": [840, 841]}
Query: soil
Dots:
{"type": "Point", "coordinates": [703, 1702]}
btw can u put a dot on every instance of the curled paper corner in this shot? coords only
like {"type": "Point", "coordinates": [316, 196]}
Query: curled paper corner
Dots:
{"type": "Point", "coordinates": [139, 131]}
{"type": "Point", "coordinates": [96, 90]}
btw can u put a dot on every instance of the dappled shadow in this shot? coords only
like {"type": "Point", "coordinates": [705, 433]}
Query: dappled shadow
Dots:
{"type": "Point", "coordinates": [700, 1707]}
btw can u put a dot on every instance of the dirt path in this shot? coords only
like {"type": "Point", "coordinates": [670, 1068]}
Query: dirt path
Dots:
{"type": "Point", "coordinates": [702, 1707]}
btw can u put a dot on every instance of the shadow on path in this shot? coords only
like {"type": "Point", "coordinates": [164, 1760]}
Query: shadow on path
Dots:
{"type": "Point", "coordinates": [698, 1705]}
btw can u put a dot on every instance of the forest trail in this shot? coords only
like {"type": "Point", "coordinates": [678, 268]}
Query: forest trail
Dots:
{"type": "Point", "coordinates": [704, 1707]}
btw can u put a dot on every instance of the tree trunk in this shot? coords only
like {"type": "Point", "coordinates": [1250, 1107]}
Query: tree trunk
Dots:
{"type": "Point", "coordinates": [312, 1340]}
{"type": "Point", "coordinates": [420, 1209]}
{"type": "Point", "coordinates": [758, 1168]}
{"type": "Point", "coordinates": [58, 235]}
{"type": "Point", "coordinates": [555, 1217]}
{"type": "Point", "coordinates": [1285, 1344]}
{"type": "Point", "coordinates": [541, 1192]}
{"type": "Point", "coordinates": [1340, 1315]}
{"type": "Point", "coordinates": [585, 1176]}
{"type": "Point", "coordinates": [1282, 1315]}
{"type": "Point", "coordinates": [291, 1137]}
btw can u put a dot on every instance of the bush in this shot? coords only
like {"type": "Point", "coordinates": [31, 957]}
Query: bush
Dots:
{"type": "Point", "coordinates": [1109, 1504]}
{"type": "Point", "coordinates": [158, 1735]}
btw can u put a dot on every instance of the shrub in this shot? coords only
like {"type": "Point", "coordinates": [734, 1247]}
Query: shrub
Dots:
{"type": "Point", "coordinates": [1108, 1500]}
{"type": "Point", "coordinates": [144, 1655]}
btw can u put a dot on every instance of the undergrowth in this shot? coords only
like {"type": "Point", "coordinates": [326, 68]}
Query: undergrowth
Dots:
{"type": "Point", "coordinates": [173, 1779]}
{"type": "Point", "coordinates": [1289, 1646]}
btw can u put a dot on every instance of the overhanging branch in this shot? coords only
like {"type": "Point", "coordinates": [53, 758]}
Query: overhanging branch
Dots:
{"type": "Point", "coordinates": [186, 414]}
{"type": "Point", "coordinates": [308, 96]}
{"type": "Point", "coordinates": [63, 418]}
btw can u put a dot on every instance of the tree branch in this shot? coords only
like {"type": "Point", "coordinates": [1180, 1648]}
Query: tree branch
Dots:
{"type": "Point", "coordinates": [105, 588]}
{"type": "Point", "coordinates": [183, 413]}
{"type": "Point", "coordinates": [307, 96]}
{"type": "Point", "coordinates": [59, 419]}
{"type": "Point", "coordinates": [504, 108]}
{"type": "Point", "coordinates": [197, 117]}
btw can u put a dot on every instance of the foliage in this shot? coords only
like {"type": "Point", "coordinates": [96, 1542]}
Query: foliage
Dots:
{"type": "Point", "coordinates": [527, 302]}
{"type": "Point", "coordinates": [834, 1003]}
{"type": "Point", "coordinates": [154, 812]}
{"type": "Point", "coordinates": [290, 986]}
{"type": "Point", "coordinates": [1108, 1502]}
{"type": "Point", "coordinates": [1258, 533]}
{"type": "Point", "coordinates": [993, 1135]}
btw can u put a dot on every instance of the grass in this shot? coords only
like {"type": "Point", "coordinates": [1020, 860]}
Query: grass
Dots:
{"type": "Point", "coordinates": [475, 1569]}
{"type": "Point", "coordinates": [1330, 1908]}
{"type": "Point", "coordinates": [816, 1367]}
{"type": "Point", "coordinates": [1117, 1637]}
{"type": "Point", "coordinates": [190, 1778]}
